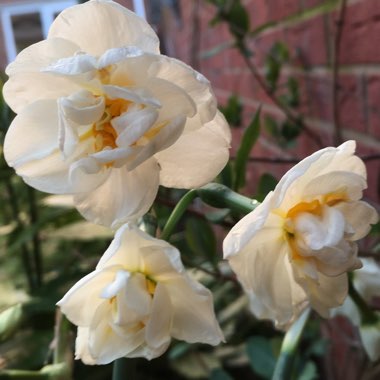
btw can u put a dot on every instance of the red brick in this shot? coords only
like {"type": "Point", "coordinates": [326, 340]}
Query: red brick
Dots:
{"type": "Point", "coordinates": [360, 33]}
{"type": "Point", "coordinates": [351, 103]}
{"type": "Point", "coordinates": [280, 9]}
{"type": "Point", "coordinates": [258, 11]}
{"type": "Point", "coordinates": [373, 91]}
{"type": "Point", "coordinates": [307, 42]}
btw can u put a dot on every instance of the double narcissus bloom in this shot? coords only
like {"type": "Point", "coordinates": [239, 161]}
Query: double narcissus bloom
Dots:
{"type": "Point", "coordinates": [136, 300]}
{"type": "Point", "coordinates": [102, 115]}
{"type": "Point", "coordinates": [295, 248]}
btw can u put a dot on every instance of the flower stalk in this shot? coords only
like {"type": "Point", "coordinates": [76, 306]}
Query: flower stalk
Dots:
{"type": "Point", "coordinates": [284, 365]}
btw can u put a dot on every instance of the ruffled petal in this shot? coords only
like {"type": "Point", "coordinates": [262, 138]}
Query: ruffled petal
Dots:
{"type": "Point", "coordinates": [99, 25]}
{"type": "Point", "coordinates": [260, 225]}
{"type": "Point", "coordinates": [27, 84]}
{"type": "Point", "coordinates": [193, 312]}
{"type": "Point", "coordinates": [122, 196]}
{"type": "Point", "coordinates": [359, 215]}
{"type": "Point", "coordinates": [266, 275]}
{"type": "Point", "coordinates": [82, 300]}
{"type": "Point", "coordinates": [196, 158]}
{"type": "Point", "coordinates": [157, 332]}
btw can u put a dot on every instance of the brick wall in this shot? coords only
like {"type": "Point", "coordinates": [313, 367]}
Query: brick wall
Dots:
{"type": "Point", "coordinates": [308, 28]}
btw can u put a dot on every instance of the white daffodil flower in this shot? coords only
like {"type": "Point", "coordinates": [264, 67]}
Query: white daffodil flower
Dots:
{"type": "Point", "coordinates": [136, 300]}
{"type": "Point", "coordinates": [366, 281]}
{"type": "Point", "coordinates": [295, 248]}
{"type": "Point", "coordinates": [102, 115]}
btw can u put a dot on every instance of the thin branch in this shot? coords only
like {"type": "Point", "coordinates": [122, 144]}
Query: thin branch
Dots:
{"type": "Point", "coordinates": [337, 43]}
{"type": "Point", "coordinates": [295, 160]}
{"type": "Point", "coordinates": [289, 114]}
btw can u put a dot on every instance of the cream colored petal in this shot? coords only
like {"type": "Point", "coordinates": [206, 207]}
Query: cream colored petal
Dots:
{"type": "Point", "coordinates": [39, 55]}
{"type": "Point", "coordinates": [347, 183]}
{"type": "Point", "coordinates": [367, 279]}
{"type": "Point", "coordinates": [328, 293]}
{"type": "Point", "coordinates": [266, 276]}
{"type": "Point", "coordinates": [37, 158]}
{"type": "Point", "coordinates": [140, 70]}
{"type": "Point", "coordinates": [370, 335]}
{"type": "Point", "coordinates": [122, 196]}
{"type": "Point", "coordinates": [165, 137]}
{"type": "Point", "coordinates": [127, 248]}
{"type": "Point", "coordinates": [289, 190]}
{"type": "Point", "coordinates": [81, 346]}
{"type": "Point", "coordinates": [193, 312]}
{"type": "Point", "coordinates": [196, 158]}
{"type": "Point", "coordinates": [259, 225]}
{"type": "Point", "coordinates": [72, 66]}
{"type": "Point", "coordinates": [105, 343]}
{"type": "Point", "coordinates": [85, 297]}
{"type": "Point", "coordinates": [192, 82]}
{"type": "Point", "coordinates": [27, 84]}
{"type": "Point", "coordinates": [157, 331]}
{"type": "Point", "coordinates": [99, 25]}
{"type": "Point", "coordinates": [359, 215]}
{"type": "Point", "coordinates": [25, 88]}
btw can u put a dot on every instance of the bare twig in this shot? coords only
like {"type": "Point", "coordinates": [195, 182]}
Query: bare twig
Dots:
{"type": "Point", "coordinates": [288, 113]}
{"type": "Point", "coordinates": [335, 79]}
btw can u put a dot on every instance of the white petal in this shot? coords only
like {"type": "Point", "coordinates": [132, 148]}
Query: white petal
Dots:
{"type": "Point", "coordinates": [317, 233]}
{"type": "Point", "coordinates": [137, 251]}
{"type": "Point", "coordinates": [105, 344]}
{"type": "Point", "coordinates": [347, 183]}
{"type": "Point", "coordinates": [193, 312]}
{"type": "Point", "coordinates": [26, 84]}
{"type": "Point", "coordinates": [266, 275]}
{"type": "Point", "coordinates": [123, 195]}
{"type": "Point", "coordinates": [164, 138]}
{"type": "Point", "coordinates": [97, 26]}
{"type": "Point", "coordinates": [370, 335]}
{"type": "Point", "coordinates": [82, 107]}
{"type": "Point", "coordinates": [37, 159]}
{"type": "Point", "coordinates": [258, 222]}
{"type": "Point", "coordinates": [289, 190]}
{"type": "Point", "coordinates": [367, 279]}
{"type": "Point", "coordinates": [81, 346]}
{"type": "Point", "coordinates": [196, 158]}
{"type": "Point", "coordinates": [75, 65]}
{"type": "Point", "coordinates": [192, 82]}
{"type": "Point", "coordinates": [157, 332]}
{"type": "Point", "coordinates": [132, 125]}
{"type": "Point", "coordinates": [86, 174]}
{"type": "Point", "coordinates": [134, 94]}
{"type": "Point", "coordinates": [328, 293]}
{"type": "Point", "coordinates": [82, 300]}
{"type": "Point", "coordinates": [359, 215]}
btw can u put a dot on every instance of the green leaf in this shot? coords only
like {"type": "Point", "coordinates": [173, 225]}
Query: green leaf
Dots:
{"type": "Point", "coordinates": [10, 320]}
{"type": "Point", "coordinates": [271, 127]}
{"type": "Point", "coordinates": [232, 111]}
{"type": "Point", "coordinates": [226, 176]}
{"type": "Point", "coordinates": [249, 139]}
{"type": "Point", "coordinates": [201, 239]}
{"type": "Point", "coordinates": [293, 99]}
{"type": "Point", "coordinates": [261, 358]}
{"type": "Point", "coordinates": [309, 372]}
{"type": "Point", "coordinates": [266, 184]}
{"type": "Point", "coordinates": [219, 374]}
{"type": "Point", "coordinates": [290, 130]}
{"type": "Point", "coordinates": [238, 20]}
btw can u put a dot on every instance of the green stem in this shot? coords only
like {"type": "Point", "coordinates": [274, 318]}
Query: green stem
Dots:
{"type": "Point", "coordinates": [37, 255]}
{"type": "Point", "coordinates": [177, 213]}
{"type": "Point", "coordinates": [221, 196]}
{"type": "Point", "coordinates": [367, 314]}
{"type": "Point", "coordinates": [61, 337]}
{"type": "Point", "coordinates": [284, 365]}
{"type": "Point", "coordinates": [124, 369]}
{"type": "Point", "coordinates": [16, 374]}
